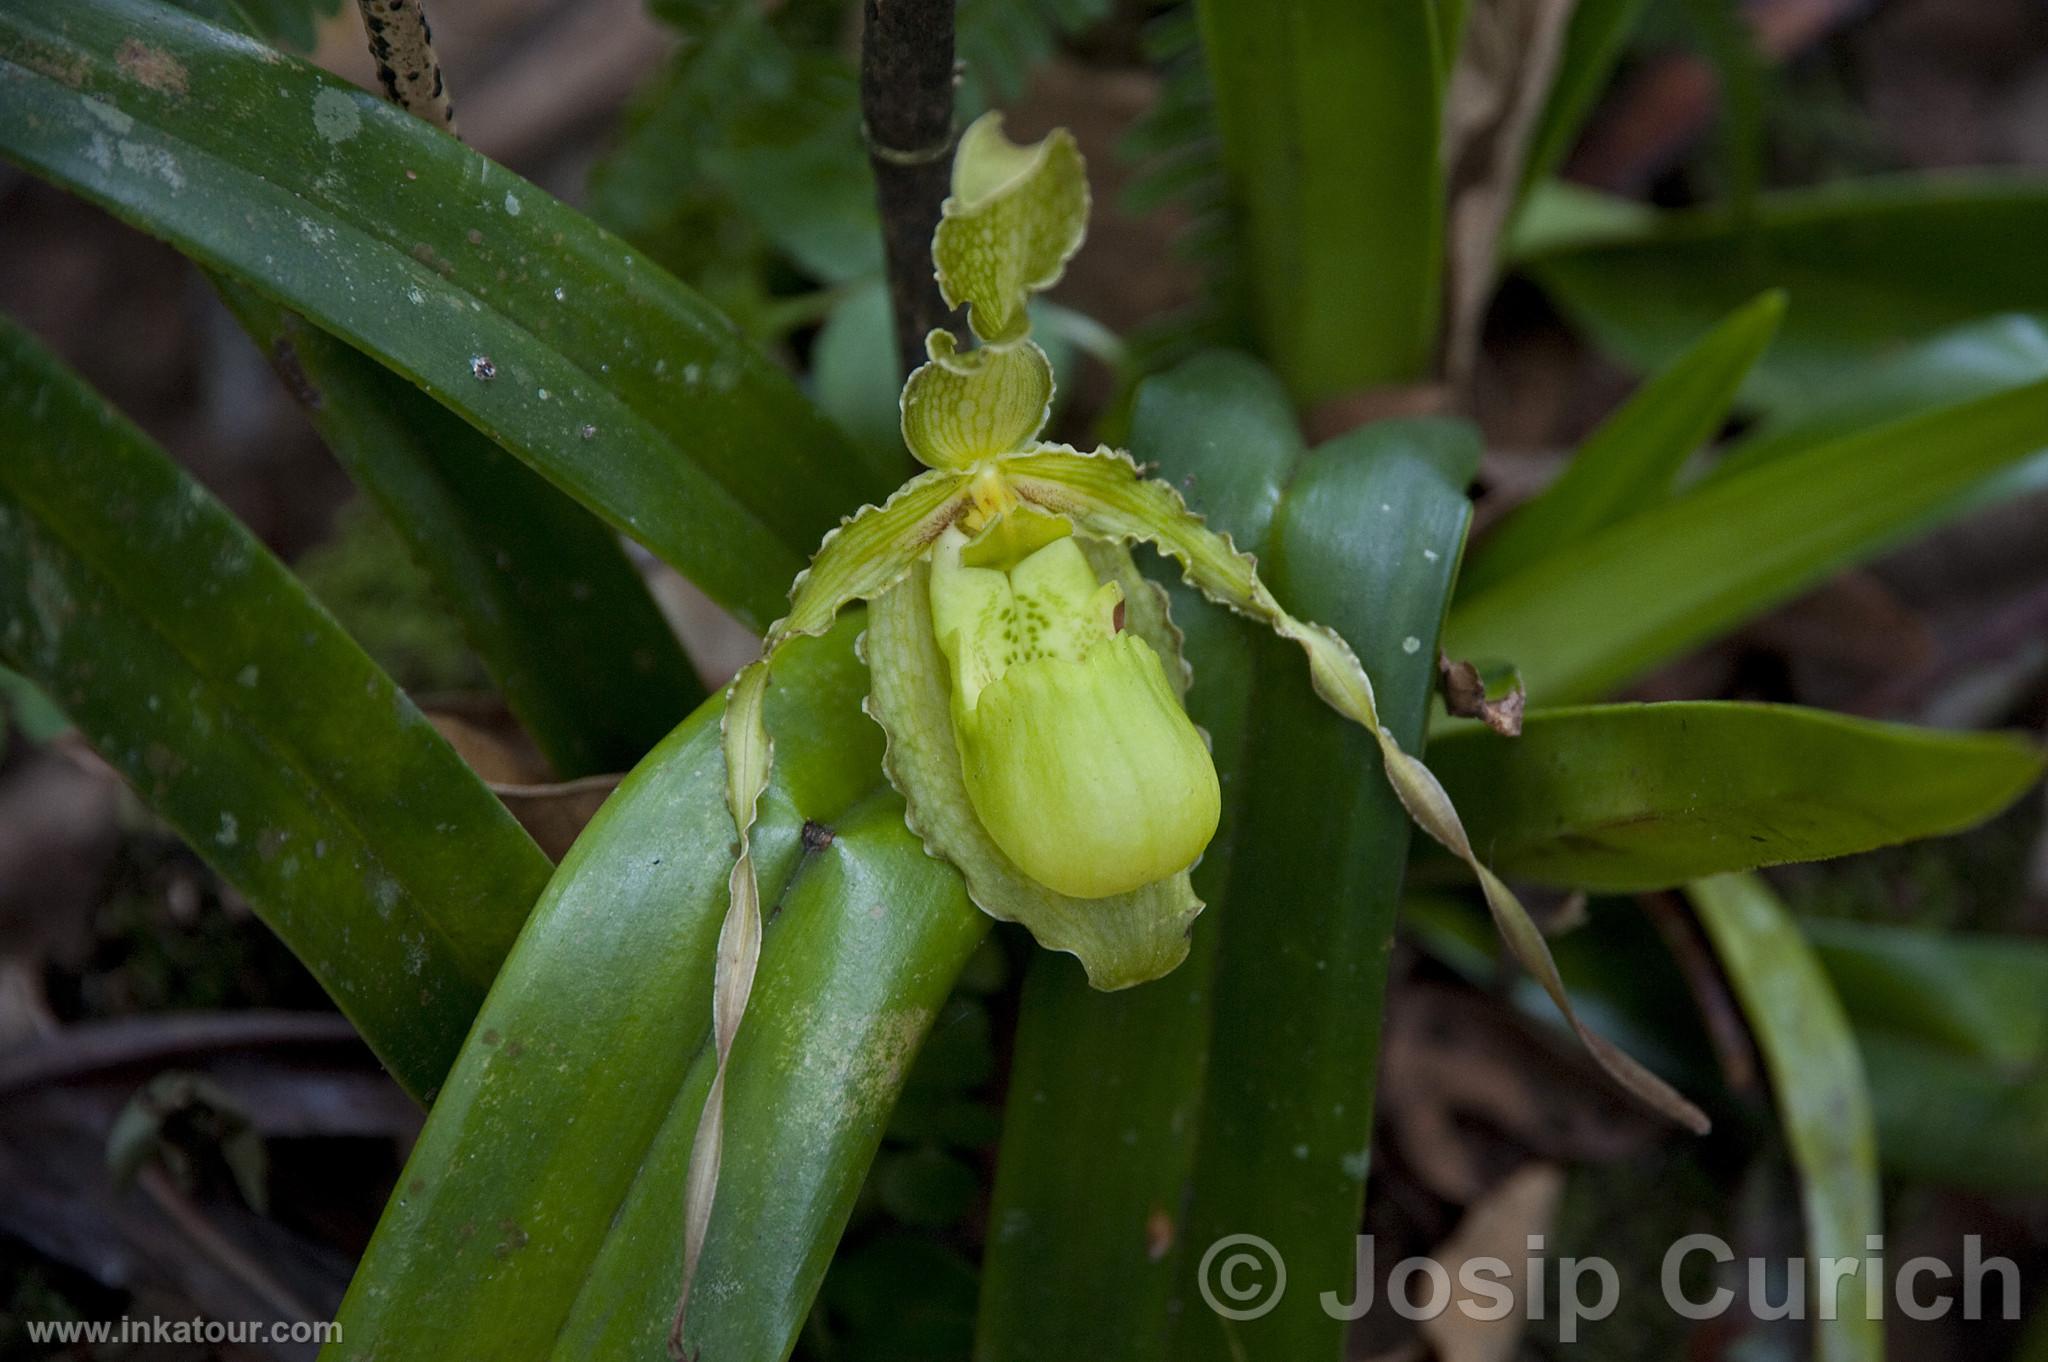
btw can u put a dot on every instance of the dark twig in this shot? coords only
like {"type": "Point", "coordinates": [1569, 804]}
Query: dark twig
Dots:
{"type": "Point", "coordinates": [906, 102]}
{"type": "Point", "coordinates": [403, 45]}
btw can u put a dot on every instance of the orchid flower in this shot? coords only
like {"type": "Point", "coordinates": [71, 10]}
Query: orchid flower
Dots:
{"type": "Point", "coordinates": [1027, 676]}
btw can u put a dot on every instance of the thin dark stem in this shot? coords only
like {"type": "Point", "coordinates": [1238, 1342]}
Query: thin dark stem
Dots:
{"type": "Point", "coordinates": [402, 43]}
{"type": "Point", "coordinates": [906, 100]}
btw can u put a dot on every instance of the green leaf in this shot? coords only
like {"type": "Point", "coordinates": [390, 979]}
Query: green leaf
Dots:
{"type": "Point", "coordinates": [1605, 610]}
{"type": "Point", "coordinates": [561, 619]}
{"type": "Point", "coordinates": [1869, 266]}
{"type": "Point", "coordinates": [1972, 361]}
{"type": "Point", "coordinates": [1634, 797]}
{"type": "Point", "coordinates": [197, 665]}
{"type": "Point", "coordinates": [745, 122]}
{"type": "Point", "coordinates": [1015, 217]}
{"type": "Point", "coordinates": [1087, 1211]}
{"type": "Point", "coordinates": [540, 1213]}
{"type": "Point", "coordinates": [1822, 1101]}
{"type": "Point", "coordinates": [1629, 463]}
{"type": "Point", "coordinates": [1330, 114]}
{"type": "Point", "coordinates": [1367, 540]}
{"type": "Point", "coordinates": [549, 335]}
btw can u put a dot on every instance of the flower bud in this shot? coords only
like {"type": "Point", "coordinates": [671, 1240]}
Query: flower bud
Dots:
{"type": "Point", "coordinates": [1078, 759]}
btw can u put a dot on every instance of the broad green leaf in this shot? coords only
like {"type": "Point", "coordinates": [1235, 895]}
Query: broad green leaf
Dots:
{"type": "Point", "coordinates": [959, 409]}
{"type": "Point", "coordinates": [196, 664]}
{"type": "Point", "coordinates": [1969, 362]}
{"type": "Point", "coordinates": [1330, 114]}
{"type": "Point", "coordinates": [1350, 539]}
{"type": "Point", "coordinates": [1015, 217]}
{"type": "Point", "coordinates": [559, 616]}
{"type": "Point", "coordinates": [1603, 611]}
{"type": "Point", "coordinates": [540, 1213]}
{"type": "Point", "coordinates": [1593, 44]}
{"type": "Point", "coordinates": [1821, 1097]}
{"type": "Point", "coordinates": [1629, 463]}
{"type": "Point", "coordinates": [1634, 797]}
{"type": "Point", "coordinates": [535, 326]}
{"type": "Point", "coordinates": [1366, 539]}
{"type": "Point", "coordinates": [1087, 1214]}
{"type": "Point", "coordinates": [1868, 266]}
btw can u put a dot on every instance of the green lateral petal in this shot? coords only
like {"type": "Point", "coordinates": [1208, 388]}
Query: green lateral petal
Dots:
{"type": "Point", "coordinates": [869, 553]}
{"type": "Point", "coordinates": [962, 408]}
{"type": "Point", "coordinates": [1017, 214]}
{"type": "Point", "coordinates": [1103, 494]}
{"type": "Point", "coordinates": [1122, 940]}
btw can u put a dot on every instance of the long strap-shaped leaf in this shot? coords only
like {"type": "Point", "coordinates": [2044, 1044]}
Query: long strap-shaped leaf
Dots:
{"type": "Point", "coordinates": [1623, 798]}
{"type": "Point", "coordinates": [1104, 493]}
{"type": "Point", "coordinates": [1630, 462]}
{"type": "Point", "coordinates": [198, 666]}
{"type": "Point", "coordinates": [1596, 613]}
{"type": "Point", "coordinates": [1822, 1100]}
{"type": "Point", "coordinates": [547, 333]}
{"type": "Point", "coordinates": [537, 1217]}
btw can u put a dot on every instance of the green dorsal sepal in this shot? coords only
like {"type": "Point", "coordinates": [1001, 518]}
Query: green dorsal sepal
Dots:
{"type": "Point", "coordinates": [1016, 215]}
{"type": "Point", "coordinates": [966, 406]}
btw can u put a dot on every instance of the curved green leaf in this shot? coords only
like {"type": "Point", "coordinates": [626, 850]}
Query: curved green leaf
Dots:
{"type": "Point", "coordinates": [1635, 797]}
{"type": "Point", "coordinates": [561, 619]}
{"type": "Point", "coordinates": [200, 668]}
{"type": "Point", "coordinates": [1367, 540]}
{"type": "Point", "coordinates": [541, 1212]}
{"type": "Point", "coordinates": [1600, 612]}
{"type": "Point", "coordinates": [1822, 1101]}
{"type": "Point", "coordinates": [532, 324]}
{"type": "Point", "coordinates": [1956, 366]}
{"type": "Point", "coordinates": [1868, 266]}
{"type": "Point", "coordinates": [1629, 464]}
{"type": "Point", "coordinates": [1329, 113]}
